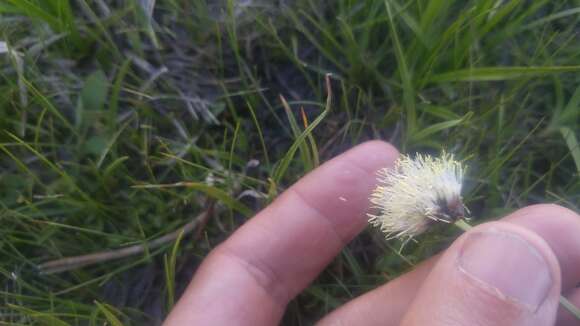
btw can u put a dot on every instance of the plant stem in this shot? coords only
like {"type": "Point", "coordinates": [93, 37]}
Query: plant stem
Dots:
{"type": "Point", "coordinates": [463, 225]}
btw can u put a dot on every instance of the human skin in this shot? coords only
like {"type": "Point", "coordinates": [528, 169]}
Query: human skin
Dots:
{"type": "Point", "coordinates": [509, 272]}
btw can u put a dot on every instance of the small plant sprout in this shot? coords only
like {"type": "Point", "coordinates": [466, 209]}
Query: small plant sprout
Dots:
{"type": "Point", "coordinates": [416, 193]}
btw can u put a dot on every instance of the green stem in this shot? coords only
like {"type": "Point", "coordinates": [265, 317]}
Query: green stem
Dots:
{"type": "Point", "coordinates": [463, 225]}
{"type": "Point", "coordinates": [570, 307]}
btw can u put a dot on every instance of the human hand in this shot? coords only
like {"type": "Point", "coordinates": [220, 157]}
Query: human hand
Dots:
{"type": "Point", "coordinates": [510, 272]}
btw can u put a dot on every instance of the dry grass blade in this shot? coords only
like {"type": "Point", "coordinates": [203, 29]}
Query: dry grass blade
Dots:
{"type": "Point", "coordinates": [74, 262]}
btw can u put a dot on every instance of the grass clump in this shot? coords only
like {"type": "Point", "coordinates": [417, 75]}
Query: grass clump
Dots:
{"type": "Point", "coordinates": [122, 121]}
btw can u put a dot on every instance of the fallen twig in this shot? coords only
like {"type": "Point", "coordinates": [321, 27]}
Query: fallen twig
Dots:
{"type": "Point", "coordinates": [74, 262]}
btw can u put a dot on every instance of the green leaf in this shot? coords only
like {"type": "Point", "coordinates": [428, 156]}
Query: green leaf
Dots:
{"type": "Point", "coordinates": [111, 168]}
{"type": "Point", "coordinates": [170, 263]}
{"type": "Point", "coordinates": [499, 73]}
{"type": "Point", "coordinates": [212, 192]}
{"type": "Point", "coordinates": [44, 102]}
{"type": "Point", "coordinates": [44, 318]}
{"type": "Point", "coordinates": [405, 75]}
{"type": "Point", "coordinates": [116, 93]}
{"type": "Point", "coordinates": [572, 110]}
{"type": "Point", "coordinates": [109, 314]}
{"type": "Point", "coordinates": [95, 145]}
{"type": "Point", "coordinates": [285, 161]}
{"type": "Point", "coordinates": [222, 196]}
{"type": "Point", "coordinates": [437, 127]}
{"type": "Point", "coordinates": [304, 150]}
{"type": "Point", "coordinates": [8, 9]}
{"type": "Point", "coordinates": [549, 18]}
{"type": "Point", "coordinates": [33, 10]}
{"type": "Point", "coordinates": [94, 94]}
{"type": "Point", "coordinates": [572, 143]}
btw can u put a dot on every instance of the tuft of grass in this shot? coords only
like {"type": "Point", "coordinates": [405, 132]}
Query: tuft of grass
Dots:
{"type": "Point", "coordinates": [119, 119]}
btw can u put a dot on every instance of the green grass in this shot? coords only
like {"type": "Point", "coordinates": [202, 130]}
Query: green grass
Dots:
{"type": "Point", "coordinates": [118, 126]}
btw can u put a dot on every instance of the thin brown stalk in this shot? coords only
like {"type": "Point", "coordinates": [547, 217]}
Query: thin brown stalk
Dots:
{"type": "Point", "coordinates": [74, 262]}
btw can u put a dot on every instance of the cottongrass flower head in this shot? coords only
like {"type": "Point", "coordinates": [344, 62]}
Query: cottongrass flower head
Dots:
{"type": "Point", "coordinates": [416, 193]}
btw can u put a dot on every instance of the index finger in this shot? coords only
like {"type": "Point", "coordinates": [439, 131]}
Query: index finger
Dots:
{"type": "Point", "coordinates": [250, 278]}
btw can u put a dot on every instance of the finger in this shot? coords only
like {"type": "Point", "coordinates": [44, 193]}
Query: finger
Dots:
{"type": "Point", "coordinates": [565, 318]}
{"type": "Point", "coordinates": [250, 277]}
{"type": "Point", "coordinates": [387, 304]}
{"type": "Point", "coordinates": [559, 226]}
{"type": "Point", "coordinates": [496, 274]}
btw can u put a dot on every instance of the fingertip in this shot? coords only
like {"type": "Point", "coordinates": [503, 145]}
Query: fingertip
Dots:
{"type": "Point", "coordinates": [560, 227]}
{"type": "Point", "coordinates": [372, 155]}
{"type": "Point", "coordinates": [492, 249]}
{"type": "Point", "coordinates": [548, 210]}
{"type": "Point", "coordinates": [495, 274]}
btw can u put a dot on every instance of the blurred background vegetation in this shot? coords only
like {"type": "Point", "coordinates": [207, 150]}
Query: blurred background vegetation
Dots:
{"type": "Point", "coordinates": [122, 121]}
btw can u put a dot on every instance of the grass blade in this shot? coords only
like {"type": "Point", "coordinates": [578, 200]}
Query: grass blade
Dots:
{"type": "Point", "coordinates": [573, 146]}
{"type": "Point", "coordinates": [405, 75]}
{"type": "Point", "coordinates": [285, 162]}
{"type": "Point", "coordinates": [499, 73]}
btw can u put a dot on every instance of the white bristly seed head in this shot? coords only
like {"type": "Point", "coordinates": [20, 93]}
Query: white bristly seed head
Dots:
{"type": "Point", "coordinates": [416, 193]}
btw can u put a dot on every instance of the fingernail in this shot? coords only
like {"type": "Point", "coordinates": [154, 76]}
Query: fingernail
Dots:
{"type": "Point", "coordinates": [508, 266]}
